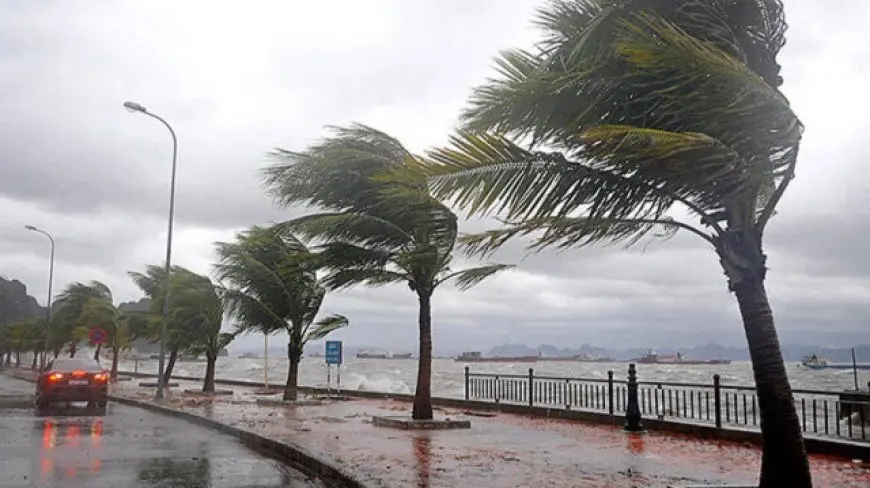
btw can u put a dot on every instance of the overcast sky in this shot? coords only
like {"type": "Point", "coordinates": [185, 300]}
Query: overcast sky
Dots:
{"type": "Point", "coordinates": [236, 79]}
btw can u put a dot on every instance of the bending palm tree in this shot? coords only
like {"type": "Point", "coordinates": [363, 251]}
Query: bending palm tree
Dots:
{"type": "Point", "coordinates": [71, 303]}
{"type": "Point", "coordinates": [270, 287]}
{"type": "Point", "coordinates": [376, 231]}
{"type": "Point", "coordinates": [195, 303]}
{"type": "Point", "coordinates": [646, 106]}
{"type": "Point", "coordinates": [180, 336]}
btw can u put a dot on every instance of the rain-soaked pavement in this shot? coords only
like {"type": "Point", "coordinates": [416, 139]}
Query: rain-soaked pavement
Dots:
{"type": "Point", "coordinates": [129, 447]}
{"type": "Point", "coordinates": [504, 451]}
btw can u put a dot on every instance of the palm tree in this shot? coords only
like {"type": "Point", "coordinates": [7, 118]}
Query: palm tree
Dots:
{"type": "Point", "coordinates": [195, 303]}
{"type": "Point", "coordinates": [179, 335]}
{"type": "Point", "coordinates": [375, 230]}
{"type": "Point", "coordinates": [122, 327]}
{"type": "Point", "coordinates": [627, 110]}
{"type": "Point", "coordinates": [69, 324]}
{"type": "Point", "coordinates": [271, 287]}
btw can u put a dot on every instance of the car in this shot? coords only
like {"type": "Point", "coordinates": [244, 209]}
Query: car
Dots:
{"type": "Point", "coordinates": [66, 380]}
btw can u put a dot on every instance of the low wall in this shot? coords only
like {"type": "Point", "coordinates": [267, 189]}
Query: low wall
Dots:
{"type": "Point", "coordinates": [814, 444]}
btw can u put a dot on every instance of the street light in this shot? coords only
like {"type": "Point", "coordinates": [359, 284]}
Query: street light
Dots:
{"type": "Point", "coordinates": [50, 280]}
{"type": "Point", "coordinates": [135, 107]}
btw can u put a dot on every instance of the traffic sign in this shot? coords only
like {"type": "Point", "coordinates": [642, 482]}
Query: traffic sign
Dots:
{"type": "Point", "coordinates": [333, 352]}
{"type": "Point", "coordinates": [97, 335]}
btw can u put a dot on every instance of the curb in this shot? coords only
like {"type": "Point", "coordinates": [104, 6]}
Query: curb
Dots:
{"type": "Point", "coordinates": [289, 454]}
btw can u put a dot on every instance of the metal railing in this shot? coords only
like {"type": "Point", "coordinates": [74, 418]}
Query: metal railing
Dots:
{"type": "Point", "coordinates": [827, 413]}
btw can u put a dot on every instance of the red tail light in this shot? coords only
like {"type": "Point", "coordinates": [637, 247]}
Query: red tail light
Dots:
{"type": "Point", "coordinates": [55, 376]}
{"type": "Point", "coordinates": [79, 374]}
{"type": "Point", "coordinates": [101, 377]}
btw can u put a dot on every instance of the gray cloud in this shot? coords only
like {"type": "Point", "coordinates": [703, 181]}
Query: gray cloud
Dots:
{"type": "Point", "coordinates": [243, 80]}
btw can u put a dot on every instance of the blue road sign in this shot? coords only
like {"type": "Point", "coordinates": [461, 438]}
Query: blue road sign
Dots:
{"type": "Point", "coordinates": [333, 352]}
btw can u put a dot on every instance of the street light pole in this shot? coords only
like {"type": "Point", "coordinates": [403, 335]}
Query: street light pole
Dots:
{"type": "Point", "coordinates": [161, 384]}
{"type": "Point", "coordinates": [48, 300]}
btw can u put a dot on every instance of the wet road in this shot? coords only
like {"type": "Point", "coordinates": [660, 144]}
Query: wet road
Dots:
{"type": "Point", "coordinates": [128, 447]}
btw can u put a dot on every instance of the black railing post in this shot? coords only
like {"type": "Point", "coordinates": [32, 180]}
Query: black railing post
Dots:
{"type": "Point", "coordinates": [632, 409]}
{"type": "Point", "coordinates": [717, 400]}
{"type": "Point", "coordinates": [610, 391]}
{"type": "Point", "coordinates": [467, 378]}
{"type": "Point", "coordinates": [531, 387]}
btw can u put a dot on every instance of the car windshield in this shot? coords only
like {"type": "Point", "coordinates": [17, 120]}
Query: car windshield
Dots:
{"type": "Point", "coordinates": [88, 365]}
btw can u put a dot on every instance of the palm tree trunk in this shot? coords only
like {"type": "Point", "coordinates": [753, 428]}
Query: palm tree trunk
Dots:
{"type": "Point", "coordinates": [56, 353]}
{"type": "Point", "coordinates": [97, 352]}
{"type": "Point", "coordinates": [170, 365]}
{"type": "Point", "coordinates": [35, 359]}
{"type": "Point", "coordinates": [784, 458]}
{"type": "Point", "coordinates": [73, 347]}
{"type": "Point", "coordinates": [423, 393]}
{"type": "Point", "coordinates": [17, 359]}
{"type": "Point", "coordinates": [208, 383]}
{"type": "Point", "coordinates": [294, 355]}
{"type": "Point", "coordinates": [8, 358]}
{"type": "Point", "coordinates": [116, 351]}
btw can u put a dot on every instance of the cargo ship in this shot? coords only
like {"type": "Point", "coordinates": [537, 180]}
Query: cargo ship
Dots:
{"type": "Point", "coordinates": [382, 355]}
{"type": "Point", "coordinates": [653, 358]}
{"type": "Point", "coordinates": [477, 357]}
{"type": "Point", "coordinates": [580, 358]}
{"type": "Point", "coordinates": [814, 361]}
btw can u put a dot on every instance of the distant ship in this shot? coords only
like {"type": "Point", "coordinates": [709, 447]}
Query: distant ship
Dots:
{"type": "Point", "coordinates": [814, 361]}
{"type": "Point", "coordinates": [579, 358]}
{"type": "Point", "coordinates": [382, 355]}
{"type": "Point", "coordinates": [653, 358]}
{"type": "Point", "coordinates": [477, 357]}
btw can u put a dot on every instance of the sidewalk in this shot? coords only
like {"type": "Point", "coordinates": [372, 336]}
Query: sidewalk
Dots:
{"type": "Point", "coordinates": [501, 451]}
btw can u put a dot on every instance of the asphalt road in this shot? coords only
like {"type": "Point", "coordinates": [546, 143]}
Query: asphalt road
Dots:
{"type": "Point", "coordinates": [128, 447]}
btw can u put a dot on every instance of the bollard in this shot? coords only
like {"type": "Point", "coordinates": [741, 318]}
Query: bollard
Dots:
{"type": "Point", "coordinates": [632, 409]}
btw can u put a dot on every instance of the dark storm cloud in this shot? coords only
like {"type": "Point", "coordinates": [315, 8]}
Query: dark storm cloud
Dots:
{"type": "Point", "coordinates": [242, 80]}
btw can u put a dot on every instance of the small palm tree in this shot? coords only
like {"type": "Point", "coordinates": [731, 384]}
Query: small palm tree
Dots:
{"type": "Point", "coordinates": [68, 324]}
{"type": "Point", "coordinates": [195, 303]}
{"type": "Point", "coordinates": [179, 335]}
{"type": "Point", "coordinates": [271, 287]}
{"type": "Point", "coordinates": [632, 109]}
{"type": "Point", "coordinates": [376, 230]}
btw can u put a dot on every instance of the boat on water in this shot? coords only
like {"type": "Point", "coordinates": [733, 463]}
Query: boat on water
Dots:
{"type": "Point", "coordinates": [814, 361]}
{"type": "Point", "coordinates": [382, 355]}
{"type": "Point", "coordinates": [653, 358]}
{"type": "Point", "coordinates": [579, 358]}
{"type": "Point", "coordinates": [477, 357]}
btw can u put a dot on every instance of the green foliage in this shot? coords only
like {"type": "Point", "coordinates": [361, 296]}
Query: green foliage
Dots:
{"type": "Point", "coordinates": [631, 108]}
{"type": "Point", "coordinates": [271, 284]}
{"type": "Point", "coordinates": [377, 228]}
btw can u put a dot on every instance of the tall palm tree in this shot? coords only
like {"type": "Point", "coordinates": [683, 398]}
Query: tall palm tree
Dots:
{"type": "Point", "coordinates": [195, 303]}
{"type": "Point", "coordinates": [69, 324]}
{"type": "Point", "coordinates": [627, 110]}
{"type": "Point", "coordinates": [179, 334]}
{"type": "Point", "coordinates": [375, 230]}
{"type": "Point", "coordinates": [270, 287]}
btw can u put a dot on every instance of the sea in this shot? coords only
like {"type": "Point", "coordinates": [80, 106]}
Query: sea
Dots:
{"type": "Point", "coordinates": [399, 375]}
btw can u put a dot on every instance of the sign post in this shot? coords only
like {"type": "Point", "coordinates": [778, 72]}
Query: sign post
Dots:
{"type": "Point", "coordinates": [333, 356]}
{"type": "Point", "coordinates": [97, 335]}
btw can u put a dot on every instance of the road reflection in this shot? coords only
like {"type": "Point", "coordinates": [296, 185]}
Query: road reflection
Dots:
{"type": "Point", "coordinates": [422, 447]}
{"type": "Point", "coordinates": [70, 448]}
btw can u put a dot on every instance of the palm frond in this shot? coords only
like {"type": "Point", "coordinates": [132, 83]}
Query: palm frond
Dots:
{"type": "Point", "coordinates": [250, 312]}
{"type": "Point", "coordinates": [468, 278]}
{"type": "Point", "coordinates": [485, 173]}
{"type": "Point", "coordinates": [347, 277]}
{"type": "Point", "coordinates": [326, 326]}
{"type": "Point", "coordinates": [566, 232]}
{"type": "Point", "coordinates": [359, 228]}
